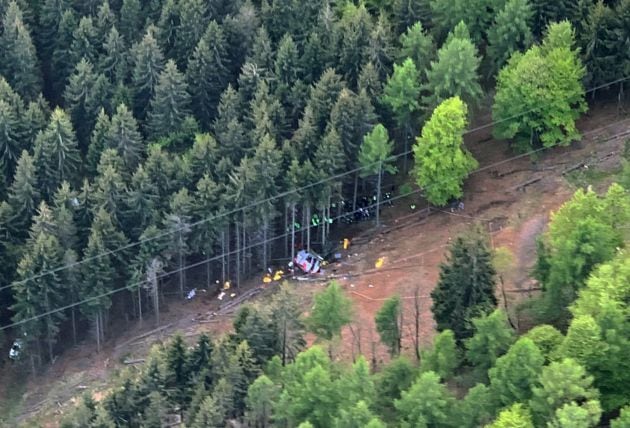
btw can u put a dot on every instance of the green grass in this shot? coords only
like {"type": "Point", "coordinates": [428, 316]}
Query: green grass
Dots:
{"type": "Point", "coordinates": [583, 177]}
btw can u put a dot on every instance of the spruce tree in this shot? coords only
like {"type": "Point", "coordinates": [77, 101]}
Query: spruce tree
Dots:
{"type": "Point", "coordinates": [228, 127]}
{"type": "Point", "coordinates": [455, 72]}
{"type": "Point", "coordinates": [511, 32]}
{"type": "Point", "coordinates": [24, 195]}
{"type": "Point", "coordinates": [355, 43]}
{"type": "Point", "coordinates": [208, 73]}
{"type": "Point", "coordinates": [86, 93]}
{"type": "Point", "coordinates": [109, 185]}
{"type": "Point", "coordinates": [123, 136]}
{"type": "Point", "coordinates": [11, 144]}
{"type": "Point", "coordinates": [323, 97]}
{"type": "Point", "coordinates": [34, 119]}
{"type": "Point", "coordinates": [465, 289]}
{"type": "Point", "coordinates": [167, 27]}
{"type": "Point", "coordinates": [19, 57]}
{"type": "Point", "coordinates": [147, 66]}
{"type": "Point", "coordinates": [97, 141]}
{"type": "Point", "coordinates": [38, 291]}
{"type": "Point", "coordinates": [177, 372]}
{"type": "Point", "coordinates": [105, 20]}
{"type": "Point", "coordinates": [140, 203]}
{"type": "Point", "coordinates": [416, 44]}
{"type": "Point", "coordinates": [170, 103]}
{"type": "Point", "coordinates": [62, 53]}
{"type": "Point", "coordinates": [85, 43]}
{"type": "Point", "coordinates": [114, 62]}
{"type": "Point", "coordinates": [193, 22]}
{"type": "Point", "coordinates": [388, 324]}
{"type": "Point", "coordinates": [131, 19]}
{"type": "Point", "coordinates": [177, 222]}
{"type": "Point", "coordinates": [56, 153]}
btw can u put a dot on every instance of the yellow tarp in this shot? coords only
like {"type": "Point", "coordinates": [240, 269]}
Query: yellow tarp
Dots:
{"type": "Point", "coordinates": [379, 263]}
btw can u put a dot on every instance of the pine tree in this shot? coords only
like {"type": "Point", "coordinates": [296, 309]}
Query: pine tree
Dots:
{"type": "Point", "coordinates": [99, 278]}
{"type": "Point", "coordinates": [109, 185]}
{"type": "Point", "coordinates": [38, 291]}
{"type": "Point", "coordinates": [355, 43]}
{"type": "Point", "coordinates": [56, 153]}
{"type": "Point", "coordinates": [511, 32]}
{"type": "Point", "coordinates": [85, 41]}
{"type": "Point", "coordinates": [34, 119]}
{"type": "Point", "coordinates": [140, 203]}
{"type": "Point", "coordinates": [208, 73]}
{"type": "Point", "coordinates": [147, 67]}
{"type": "Point", "coordinates": [210, 415]}
{"type": "Point", "coordinates": [97, 141]}
{"type": "Point", "coordinates": [417, 45]}
{"type": "Point", "coordinates": [170, 103]}
{"type": "Point", "coordinates": [228, 127]}
{"type": "Point", "coordinates": [105, 21]}
{"type": "Point", "coordinates": [466, 286]}
{"type": "Point", "coordinates": [193, 22]}
{"type": "Point", "coordinates": [19, 57]}
{"type": "Point", "coordinates": [455, 72]}
{"type": "Point", "coordinates": [85, 95]}
{"type": "Point", "coordinates": [167, 27]}
{"type": "Point", "coordinates": [131, 19]}
{"type": "Point", "coordinates": [50, 17]}
{"type": "Point", "coordinates": [114, 62]}
{"type": "Point", "coordinates": [62, 52]}
{"type": "Point", "coordinates": [177, 372]}
{"type": "Point", "coordinates": [177, 222]}
{"type": "Point", "coordinates": [156, 411]}
{"type": "Point", "coordinates": [388, 324]}
{"type": "Point", "coordinates": [11, 143]}
{"type": "Point", "coordinates": [426, 403]}
{"type": "Point", "coordinates": [332, 310]}
{"type": "Point", "coordinates": [324, 95]}
{"type": "Point", "coordinates": [124, 137]}
{"type": "Point", "coordinates": [23, 195]}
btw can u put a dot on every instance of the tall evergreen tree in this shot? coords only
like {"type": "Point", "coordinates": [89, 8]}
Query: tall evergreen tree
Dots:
{"type": "Point", "coordinates": [416, 44]}
{"type": "Point", "coordinates": [62, 52]}
{"type": "Point", "coordinates": [87, 92]}
{"type": "Point", "coordinates": [114, 62]}
{"type": "Point", "coordinates": [170, 103]}
{"type": "Point", "coordinates": [56, 153]}
{"type": "Point", "coordinates": [455, 72]}
{"type": "Point", "coordinates": [355, 43]}
{"type": "Point", "coordinates": [147, 67]}
{"type": "Point", "coordinates": [208, 73]}
{"type": "Point", "coordinates": [123, 136]}
{"type": "Point", "coordinates": [511, 32]}
{"type": "Point", "coordinates": [85, 43]}
{"type": "Point", "coordinates": [18, 55]}
{"type": "Point", "coordinates": [388, 324]}
{"type": "Point", "coordinates": [193, 22]}
{"type": "Point", "coordinates": [465, 289]}
{"type": "Point", "coordinates": [10, 141]}
{"type": "Point", "coordinates": [228, 126]}
{"type": "Point", "coordinates": [38, 291]}
{"type": "Point", "coordinates": [24, 195]}
{"type": "Point", "coordinates": [131, 19]}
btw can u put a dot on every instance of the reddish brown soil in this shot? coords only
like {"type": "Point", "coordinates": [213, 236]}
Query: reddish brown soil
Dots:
{"type": "Point", "coordinates": [412, 247]}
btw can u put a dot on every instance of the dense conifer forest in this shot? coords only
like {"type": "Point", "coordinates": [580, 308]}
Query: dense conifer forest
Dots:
{"type": "Point", "coordinates": [140, 139]}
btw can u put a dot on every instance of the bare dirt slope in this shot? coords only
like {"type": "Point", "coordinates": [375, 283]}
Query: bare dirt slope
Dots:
{"type": "Point", "coordinates": [411, 246]}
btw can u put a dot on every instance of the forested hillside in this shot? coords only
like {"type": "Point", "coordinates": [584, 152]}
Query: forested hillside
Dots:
{"type": "Point", "coordinates": [143, 138]}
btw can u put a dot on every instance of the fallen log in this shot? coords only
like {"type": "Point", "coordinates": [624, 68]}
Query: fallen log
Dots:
{"type": "Point", "coordinates": [136, 361]}
{"type": "Point", "coordinates": [523, 185]}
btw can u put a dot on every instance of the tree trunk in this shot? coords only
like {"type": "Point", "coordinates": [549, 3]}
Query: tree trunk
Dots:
{"type": "Point", "coordinates": [180, 261]}
{"type": "Point", "coordinates": [292, 232]}
{"type": "Point", "coordinates": [416, 302]}
{"type": "Point", "coordinates": [378, 194]}
{"type": "Point", "coordinates": [98, 333]}
{"type": "Point", "coordinates": [286, 229]}
{"type": "Point", "coordinates": [74, 325]}
{"type": "Point", "coordinates": [264, 243]}
{"type": "Point", "coordinates": [308, 227]}
{"type": "Point", "coordinates": [238, 254]}
{"type": "Point", "coordinates": [354, 195]}
{"type": "Point", "coordinates": [139, 303]}
{"type": "Point", "coordinates": [49, 338]}
{"type": "Point", "coordinates": [322, 224]}
{"type": "Point", "coordinates": [223, 255]}
{"type": "Point", "coordinates": [227, 250]}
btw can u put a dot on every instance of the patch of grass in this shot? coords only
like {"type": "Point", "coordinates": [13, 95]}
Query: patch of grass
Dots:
{"type": "Point", "coordinates": [584, 177]}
